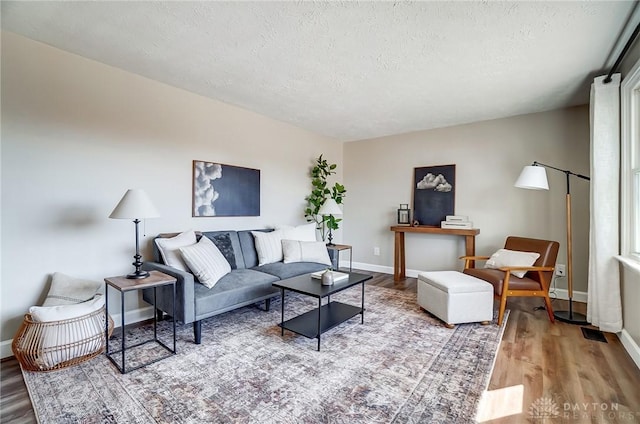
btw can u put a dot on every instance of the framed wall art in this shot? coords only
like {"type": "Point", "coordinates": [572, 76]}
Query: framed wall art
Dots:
{"type": "Point", "coordinates": [434, 191]}
{"type": "Point", "coordinates": [225, 190]}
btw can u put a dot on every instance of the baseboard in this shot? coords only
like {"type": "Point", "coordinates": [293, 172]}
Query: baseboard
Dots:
{"type": "Point", "coordinates": [630, 346]}
{"type": "Point", "coordinates": [578, 296]}
{"type": "Point", "coordinates": [411, 273]}
{"type": "Point", "coordinates": [131, 317]}
{"type": "Point", "coordinates": [5, 349]}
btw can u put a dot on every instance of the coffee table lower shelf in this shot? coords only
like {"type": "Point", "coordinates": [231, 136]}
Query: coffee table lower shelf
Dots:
{"type": "Point", "coordinates": [331, 315]}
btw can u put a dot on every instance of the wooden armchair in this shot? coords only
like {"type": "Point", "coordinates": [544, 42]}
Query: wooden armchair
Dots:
{"type": "Point", "coordinates": [535, 282]}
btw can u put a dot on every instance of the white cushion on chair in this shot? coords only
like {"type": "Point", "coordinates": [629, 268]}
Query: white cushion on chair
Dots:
{"type": "Point", "coordinates": [455, 297]}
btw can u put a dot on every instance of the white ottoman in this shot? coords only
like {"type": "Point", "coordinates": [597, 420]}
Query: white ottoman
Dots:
{"type": "Point", "coordinates": [455, 297]}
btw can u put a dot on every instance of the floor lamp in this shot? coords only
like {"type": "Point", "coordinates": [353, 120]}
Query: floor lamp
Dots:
{"type": "Point", "coordinates": [534, 177]}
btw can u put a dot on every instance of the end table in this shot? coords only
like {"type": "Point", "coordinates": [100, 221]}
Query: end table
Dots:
{"type": "Point", "coordinates": [338, 248]}
{"type": "Point", "coordinates": [123, 284]}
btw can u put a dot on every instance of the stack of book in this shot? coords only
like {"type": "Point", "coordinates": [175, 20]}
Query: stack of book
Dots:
{"type": "Point", "coordinates": [456, 221]}
{"type": "Point", "coordinates": [337, 276]}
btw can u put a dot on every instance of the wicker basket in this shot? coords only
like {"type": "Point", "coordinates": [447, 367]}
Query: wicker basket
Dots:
{"type": "Point", "coordinates": [49, 346]}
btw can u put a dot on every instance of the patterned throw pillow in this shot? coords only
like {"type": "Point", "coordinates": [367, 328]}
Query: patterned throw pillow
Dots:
{"type": "Point", "coordinates": [223, 243]}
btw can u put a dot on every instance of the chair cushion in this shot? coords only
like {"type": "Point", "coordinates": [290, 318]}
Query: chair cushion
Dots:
{"type": "Point", "coordinates": [512, 258]}
{"type": "Point", "coordinates": [496, 278]}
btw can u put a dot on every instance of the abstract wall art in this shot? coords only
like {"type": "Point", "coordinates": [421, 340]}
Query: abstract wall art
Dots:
{"type": "Point", "coordinates": [433, 193]}
{"type": "Point", "coordinates": [225, 190]}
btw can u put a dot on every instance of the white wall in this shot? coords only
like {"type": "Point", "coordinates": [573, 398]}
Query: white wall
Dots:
{"type": "Point", "coordinates": [488, 157]}
{"type": "Point", "coordinates": [76, 134]}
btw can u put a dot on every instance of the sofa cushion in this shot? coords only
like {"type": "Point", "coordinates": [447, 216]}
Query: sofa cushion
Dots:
{"type": "Point", "coordinates": [206, 261]}
{"type": "Point", "coordinates": [306, 232]}
{"type": "Point", "coordinates": [229, 245]}
{"type": "Point", "coordinates": [237, 287]}
{"type": "Point", "coordinates": [283, 271]}
{"type": "Point", "coordinates": [305, 251]}
{"type": "Point", "coordinates": [268, 246]}
{"type": "Point", "coordinates": [248, 247]}
{"type": "Point", "coordinates": [169, 248]}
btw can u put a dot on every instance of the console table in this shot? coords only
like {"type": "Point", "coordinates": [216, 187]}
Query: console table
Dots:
{"type": "Point", "coordinates": [399, 265]}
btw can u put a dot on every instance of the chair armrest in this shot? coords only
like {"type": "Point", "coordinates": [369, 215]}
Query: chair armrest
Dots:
{"type": "Point", "coordinates": [469, 259]}
{"type": "Point", "coordinates": [185, 291]}
{"type": "Point", "coordinates": [526, 268]}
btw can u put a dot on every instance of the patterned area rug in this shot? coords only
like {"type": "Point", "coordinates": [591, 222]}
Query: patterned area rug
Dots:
{"type": "Point", "coordinates": [401, 366]}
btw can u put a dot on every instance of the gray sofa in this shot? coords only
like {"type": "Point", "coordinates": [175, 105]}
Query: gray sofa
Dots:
{"type": "Point", "coordinates": [247, 282]}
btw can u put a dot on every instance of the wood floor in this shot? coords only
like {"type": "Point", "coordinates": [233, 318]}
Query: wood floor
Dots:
{"type": "Point", "coordinates": [551, 366]}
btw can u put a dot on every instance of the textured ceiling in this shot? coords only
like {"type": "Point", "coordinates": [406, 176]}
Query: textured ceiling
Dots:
{"type": "Point", "coordinates": [349, 70]}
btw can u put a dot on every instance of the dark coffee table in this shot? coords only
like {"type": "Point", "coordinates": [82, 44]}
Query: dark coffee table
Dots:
{"type": "Point", "coordinates": [313, 323]}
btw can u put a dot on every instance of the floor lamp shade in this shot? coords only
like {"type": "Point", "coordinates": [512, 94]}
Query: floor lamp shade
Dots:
{"type": "Point", "coordinates": [136, 205]}
{"type": "Point", "coordinates": [534, 177]}
{"type": "Point", "coordinates": [330, 207]}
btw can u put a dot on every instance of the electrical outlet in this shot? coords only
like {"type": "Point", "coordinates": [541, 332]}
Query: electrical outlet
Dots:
{"type": "Point", "coordinates": [561, 271]}
{"type": "Point", "coordinates": [376, 251]}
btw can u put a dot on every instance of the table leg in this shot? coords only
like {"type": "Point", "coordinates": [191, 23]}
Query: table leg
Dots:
{"type": "Point", "coordinates": [155, 316]}
{"type": "Point", "coordinates": [122, 328]}
{"type": "Point", "coordinates": [399, 266]}
{"type": "Point", "coordinates": [351, 260]}
{"type": "Point", "coordinates": [106, 316]}
{"type": "Point", "coordinates": [362, 312]}
{"type": "Point", "coordinates": [174, 316]}
{"type": "Point", "coordinates": [470, 248]}
{"type": "Point", "coordinates": [282, 312]}
{"type": "Point", "coordinates": [319, 321]}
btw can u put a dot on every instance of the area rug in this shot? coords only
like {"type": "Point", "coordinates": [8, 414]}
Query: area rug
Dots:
{"type": "Point", "coordinates": [401, 366]}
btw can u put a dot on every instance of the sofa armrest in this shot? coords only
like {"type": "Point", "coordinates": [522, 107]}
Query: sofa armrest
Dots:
{"type": "Point", "coordinates": [185, 292]}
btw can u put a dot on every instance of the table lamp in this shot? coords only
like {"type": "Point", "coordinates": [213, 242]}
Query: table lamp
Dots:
{"type": "Point", "coordinates": [136, 205]}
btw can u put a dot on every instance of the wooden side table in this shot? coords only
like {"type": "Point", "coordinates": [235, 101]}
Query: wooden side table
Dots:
{"type": "Point", "coordinates": [399, 265]}
{"type": "Point", "coordinates": [338, 248]}
{"type": "Point", "coordinates": [123, 284]}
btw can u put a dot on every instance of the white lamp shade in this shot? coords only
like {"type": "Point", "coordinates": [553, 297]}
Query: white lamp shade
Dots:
{"type": "Point", "coordinates": [330, 207]}
{"type": "Point", "coordinates": [533, 178]}
{"type": "Point", "coordinates": [135, 204]}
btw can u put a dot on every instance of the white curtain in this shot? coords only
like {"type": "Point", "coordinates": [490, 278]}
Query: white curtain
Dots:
{"type": "Point", "coordinates": [604, 308]}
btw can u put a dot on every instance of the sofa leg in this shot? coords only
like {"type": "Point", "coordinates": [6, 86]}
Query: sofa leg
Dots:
{"type": "Point", "coordinates": [159, 315]}
{"type": "Point", "coordinates": [197, 331]}
{"type": "Point", "coordinates": [267, 304]}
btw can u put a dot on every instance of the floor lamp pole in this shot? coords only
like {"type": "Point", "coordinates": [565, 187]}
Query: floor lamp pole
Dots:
{"type": "Point", "coordinates": [570, 316]}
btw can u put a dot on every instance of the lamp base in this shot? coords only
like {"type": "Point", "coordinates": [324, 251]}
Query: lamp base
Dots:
{"type": "Point", "coordinates": [571, 317]}
{"type": "Point", "coordinates": [138, 274]}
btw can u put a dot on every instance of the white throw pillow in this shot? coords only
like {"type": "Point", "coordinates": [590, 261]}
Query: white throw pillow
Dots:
{"type": "Point", "coordinates": [506, 258]}
{"type": "Point", "coordinates": [305, 251]}
{"type": "Point", "coordinates": [206, 261]}
{"type": "Point", "coordinates": [170, 248]}
{"type": "Point", "coordinates": [66, 290]}
{"type": "Point", "coordinates": [268, 246]}
{"type": "Point", "coordinates": [61, 312]}
{"type": "Point", "coordinates": [305, 232]}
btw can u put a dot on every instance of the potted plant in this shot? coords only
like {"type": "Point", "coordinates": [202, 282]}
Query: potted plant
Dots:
{"type": "Point", "coordinates": [320, 191]}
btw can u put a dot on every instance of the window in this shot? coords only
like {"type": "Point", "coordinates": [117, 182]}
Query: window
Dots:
{"type": "Point", "coordinates": [630, 172]}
